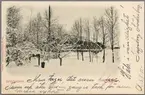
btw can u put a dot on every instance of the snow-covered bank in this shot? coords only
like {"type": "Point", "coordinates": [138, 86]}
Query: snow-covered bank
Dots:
{"type": "Point", "coordinates": [70, 65]}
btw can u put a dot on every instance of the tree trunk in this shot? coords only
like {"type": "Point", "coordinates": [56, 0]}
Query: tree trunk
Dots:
{"type": "Point", "coordinates": [7, 61]}
{"type": "Point", "coordinates": [77, 54]}
{"type": "Point", "coordinates": [89, 54]}
{"type": "Point", "coordinates": [81, 39]}
{"type": "Point", "coordinates": [37, 40]}
{"type": "Point", "coordinates": [97, 58]}
{"type": "Point", "coordinates": [112, 54]}
{"type": "Point", "coordinates": [82, 56]}
{"type": "Point", "coordinates": [112, 46]}
{"type": "Point", "coordinates": [92, 56]}
{"type": "Point", "coordinates": [60, 61]}
{"type": "Point", "coordinates": [49, 23]}
{"type": "Point", "coordinates": [104, 49]}
{"type": "Point", "coordinates": [103, 55]}
{"type": "Point", "coordinates": [103, 40]}
{"type": "Point", "coordinates": [39, 60]}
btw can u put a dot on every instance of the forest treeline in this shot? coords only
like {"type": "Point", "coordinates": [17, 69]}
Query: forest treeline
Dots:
{"type": "Point", "coordinates": [44, 35]}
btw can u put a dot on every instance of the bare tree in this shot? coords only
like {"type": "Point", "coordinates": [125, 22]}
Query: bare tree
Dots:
{"type": "Point", "coordinates": [81, 40]}
{"type": "Point", "coordinates": [87, 30]}
{"type": "Point", "coordinates": [35, 26]}
{"type": "Point", "coordinates": [47, 23]}
{"type": "Point", "coordinates": [76, 31]}
{"type": "Point", "coordinates": [112, 20]}
{"type": "Point", "coordinates": [60, 47]}
{"type": "Point", "coordinates": [32, 33]}
{"type": "Point", "coordinates": [96, 29]}
{"type": "Point", "coordinates": [38, 27]}
{"type": "Point", "coordinates": [102, 21]}
{"type": "Point", "coordinates": [28, 29]}
{"type": "Point", "coordinates": [105, 35]}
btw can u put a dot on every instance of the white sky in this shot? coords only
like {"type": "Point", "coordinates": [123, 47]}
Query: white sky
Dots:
{"type": "Point", "coordinates": [66, 12]}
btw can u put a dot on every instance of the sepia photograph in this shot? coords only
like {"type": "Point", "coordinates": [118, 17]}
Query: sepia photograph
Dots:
{"type": "Point", "coordinates": [93, 43]}
{"type": "Point", "coordinates": [49, 37]}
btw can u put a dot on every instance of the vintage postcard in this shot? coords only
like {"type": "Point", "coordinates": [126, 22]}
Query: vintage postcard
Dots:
{"type": "Point", "coordinates": [69, 47]}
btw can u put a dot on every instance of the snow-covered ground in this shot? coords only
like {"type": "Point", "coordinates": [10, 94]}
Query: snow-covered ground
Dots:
{"type": "Point", "coordinates": [70, 66]}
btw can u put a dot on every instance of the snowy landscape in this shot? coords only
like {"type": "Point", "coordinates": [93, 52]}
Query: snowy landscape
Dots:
{"type": "Point", "coordinates": [44, 45]}
{"type": "Point", "coordinates": [70, 64]}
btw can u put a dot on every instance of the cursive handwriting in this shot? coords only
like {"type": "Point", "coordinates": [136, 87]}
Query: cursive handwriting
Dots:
{"type": "Point", "coordinates": [54, 84]}
{"type": "Point", "coordinates": [140, 83]}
